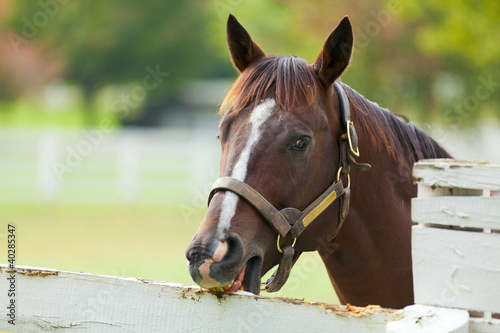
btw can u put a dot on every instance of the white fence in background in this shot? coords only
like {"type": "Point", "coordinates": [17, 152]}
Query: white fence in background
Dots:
{"type": "Point", "coordinates": [142, 166]}
{"type": "Point", "coordinates": [456, 263]}
{"type": "Point", "coordinates": [90, 167]}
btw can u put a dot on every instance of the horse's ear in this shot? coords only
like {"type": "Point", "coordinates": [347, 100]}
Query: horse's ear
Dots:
{"type": "Point", "coordinates": [243, 50]}
{"type": "Point", "coordinates": [336, 53]}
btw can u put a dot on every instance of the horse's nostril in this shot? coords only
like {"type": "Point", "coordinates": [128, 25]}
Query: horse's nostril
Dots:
{"type": "Point", "coordinates": [234, 251]}
{"type": "Point", "coordinates": [227, 252]}
{"type": "Point", "coordinates": [195, 257]}
{"type": "Point", "coordinates": [198, 251]}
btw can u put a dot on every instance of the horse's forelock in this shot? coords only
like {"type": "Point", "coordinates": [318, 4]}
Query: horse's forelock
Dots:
{"type": "Point", "coordinates": [290, 80]}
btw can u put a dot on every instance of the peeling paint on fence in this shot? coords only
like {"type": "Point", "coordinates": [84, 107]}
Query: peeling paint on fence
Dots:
{"type": "Point", "coordinates": [69, 301]}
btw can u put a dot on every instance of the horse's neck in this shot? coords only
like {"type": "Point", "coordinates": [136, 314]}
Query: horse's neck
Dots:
{"type": "Point", "coordinates": [370, 260]}
{"type": "Point", "coordinates": [386, 189]}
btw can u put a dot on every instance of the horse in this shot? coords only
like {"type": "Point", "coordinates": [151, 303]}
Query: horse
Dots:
{"type": "Point", "coordinates": [290, 180]}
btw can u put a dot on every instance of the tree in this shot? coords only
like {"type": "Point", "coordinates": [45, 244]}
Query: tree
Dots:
{"type": "Point", "coordinates": [121, 41]}
{"type": "Point", "coordinates": [422, 58]}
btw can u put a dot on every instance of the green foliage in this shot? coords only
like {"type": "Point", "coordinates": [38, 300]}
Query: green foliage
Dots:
{"type": "Point", "coordinates": [421, 58]}
{"type": "Point", "coordinates": [463, 29]}
{"type": "Point", "coordinates": [113, 41]}
{"type": "Point", "coordinates": [459, 41]}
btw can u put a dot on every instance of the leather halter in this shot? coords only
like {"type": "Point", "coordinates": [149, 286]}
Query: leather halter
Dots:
{"type": "Point", "coordinates": [291, 221]}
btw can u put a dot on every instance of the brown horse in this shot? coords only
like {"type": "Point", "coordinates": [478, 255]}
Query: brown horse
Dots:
{"type": "Point", "coordinates": [284, 132]}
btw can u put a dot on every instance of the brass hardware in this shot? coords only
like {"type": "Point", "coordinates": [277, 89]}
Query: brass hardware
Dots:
{"type": "Point", "coordinates": [349, 124]}
{"type": "Point", "coordinates": [348, 178]}
{"type": "Point", "coordinates": [278, 244]}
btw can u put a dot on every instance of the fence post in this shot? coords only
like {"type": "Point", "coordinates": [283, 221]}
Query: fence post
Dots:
{"type": "Point", "coordinates": [128, 167]}
{"type": "Point", "coordinates": [48, 151]}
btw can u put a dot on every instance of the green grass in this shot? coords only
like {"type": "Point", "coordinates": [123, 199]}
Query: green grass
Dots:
{"type": "Point", "coordinates": [134, 241]}
{"type": "Point", "coordinates": [29, 113]}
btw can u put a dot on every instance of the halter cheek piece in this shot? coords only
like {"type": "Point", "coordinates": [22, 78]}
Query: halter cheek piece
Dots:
{"type": "Point", "coordinates": [291, 221]}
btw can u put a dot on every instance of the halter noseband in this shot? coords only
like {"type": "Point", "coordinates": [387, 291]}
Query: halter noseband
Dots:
{"type": "Point", "coordinates": [291, 221]}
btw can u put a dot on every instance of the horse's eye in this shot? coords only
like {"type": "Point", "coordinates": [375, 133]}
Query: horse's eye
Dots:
{"type": "Point", "coordinates": [301, 143]}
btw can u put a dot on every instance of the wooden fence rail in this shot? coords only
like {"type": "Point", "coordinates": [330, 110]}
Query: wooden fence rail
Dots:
{"type": "Point", "coordinates": [49, 300]}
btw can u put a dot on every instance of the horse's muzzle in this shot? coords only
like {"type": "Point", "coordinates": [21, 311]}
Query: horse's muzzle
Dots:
{"type": "Point", "coordinates": [214, 263]}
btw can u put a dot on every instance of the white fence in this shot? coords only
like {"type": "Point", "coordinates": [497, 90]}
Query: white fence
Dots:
{"type": "Point", "coordinates": [85, 302]}
{"type": "Point", "coordinates": [456, 246]}
{"type": "Point", "coordinates": [142, 166]}
{"type": "Point", "coordinates": [149, 167]}
{"type": "Point", "coordinates": [456, 261]}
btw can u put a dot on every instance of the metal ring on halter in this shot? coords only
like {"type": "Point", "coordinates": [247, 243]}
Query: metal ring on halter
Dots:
{"type": "Point", "coordinates": [278, 244]}
{"type": "Point", "coordinates": [348, 178]}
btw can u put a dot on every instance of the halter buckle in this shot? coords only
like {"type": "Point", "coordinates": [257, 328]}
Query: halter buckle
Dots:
{"type": "Point", "coordinates": [350, 125]}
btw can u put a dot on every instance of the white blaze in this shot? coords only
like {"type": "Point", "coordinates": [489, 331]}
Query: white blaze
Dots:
{"type": "Point", "coordinates": [259, 115]}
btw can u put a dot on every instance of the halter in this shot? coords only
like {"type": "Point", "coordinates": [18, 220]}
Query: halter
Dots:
{"type": "Point", "coordinates": [291, 221]}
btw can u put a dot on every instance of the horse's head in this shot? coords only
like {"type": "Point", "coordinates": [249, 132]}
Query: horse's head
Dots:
{"type": "Point", "coordinates": [280, 136]}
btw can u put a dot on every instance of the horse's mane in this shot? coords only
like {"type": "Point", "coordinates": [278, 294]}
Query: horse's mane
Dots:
{"type": "Point", "coordinates": [405, 142]}
{"type": "Point", "coordinates": [292, 79]}
{"type": "Point", "coordinates": [289, 77]}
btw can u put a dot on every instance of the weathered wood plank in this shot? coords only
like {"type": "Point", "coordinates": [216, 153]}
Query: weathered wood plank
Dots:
{"type": "Point", "coordinates": [453, 268]}
{"type": "Point", "coordinates": [431, 191]}
{"type": "Point", "coordinates": [475, 212]}
{"type": "Point", "coordinates": [458, 174]}
{"type": "Point", "coordinates": [424, 319]}
{"type": "Point", "coordinates": [79, 302]}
